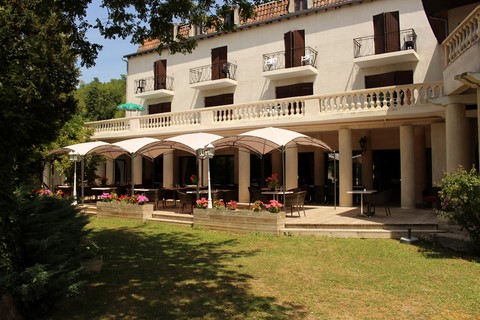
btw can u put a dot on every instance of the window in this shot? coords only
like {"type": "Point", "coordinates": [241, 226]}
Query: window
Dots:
{"type": "Point", "coordinates": [389, 79]}
{"type": "Point", "coordinates": [160, 74]}
{"type": "Point", "coordinates": [219, 100]}
{"type": "Point", "coordinates": [294, 90]}
{"type": "Point", "coordinates": [300, 5]}
{"type": "Point", "coordinates": [386, 29]}
{"type": "Point", "coordinates": [219, 61]}
{"type": "Point", "coordinates": [294, 48]}
{"type": "Point", "coordinates": [160, 108]}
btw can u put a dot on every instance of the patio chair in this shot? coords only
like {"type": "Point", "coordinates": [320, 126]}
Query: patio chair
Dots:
{"type": "Point", "coordinates": [296, 200]}
{"type": "Point", "coordinates": [166, 195]}
{"type": "Point", "coordinates": [186, 200]}
{"type": "Point", "coordinates": [381, 198]}
{"type": "Point", "coordinates": [256, 194]}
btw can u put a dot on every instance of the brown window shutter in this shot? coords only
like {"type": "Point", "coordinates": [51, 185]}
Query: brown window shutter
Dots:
{"type": "Point", "coordinates": [380, 80]}
{"type": "Point", "coordinates": [403, 77]}
{"type": "Point", "coordinates": [392, 31]}
{"type": "Point", "coordinates": [288, 42]}
{"type": "Point", "coordinates": [219, 57]}
{"type": "Point", "coordinates": [160, 74]}
{"type": "Point", "coordinates": [160, 108]}
{"type": "Point", "coordinates": [294, 47]}
{"type": "Point", "coordinates": [220, 100]}
{"type": "Point", "coordinates": [379, 33]}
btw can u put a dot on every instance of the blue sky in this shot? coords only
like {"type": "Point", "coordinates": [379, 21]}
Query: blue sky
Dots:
{"type": "Point", "coordinates": [109, 64]}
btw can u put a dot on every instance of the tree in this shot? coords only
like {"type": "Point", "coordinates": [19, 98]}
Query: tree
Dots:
{"type": "Point", "coordinates": [99, 100]}
{"type": "Point", "coordinates": [153, 19]}
{"type": "Point", "coordinates": [40, 41]}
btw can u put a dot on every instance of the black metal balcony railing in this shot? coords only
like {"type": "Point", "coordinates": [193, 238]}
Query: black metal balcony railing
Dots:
{"type": "Point", "coordinates": [288, 59]}
{"type": "Point", "coordinates": [216, 71]}
{"type": "Point", "coordinates": [388, 42]}
{"type": "Point", "coordinates": [148, 84]}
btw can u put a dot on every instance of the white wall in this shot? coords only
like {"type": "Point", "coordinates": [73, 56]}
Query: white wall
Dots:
{"type": "Point", "coordinates": [331, 33]}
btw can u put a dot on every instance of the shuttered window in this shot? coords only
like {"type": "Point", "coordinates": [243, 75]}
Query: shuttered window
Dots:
{"type": "Point", "coordinates": [294, 90]}
{"type": "Point", "coordinates": [160, 74]}
{"type": "Point", "coordinates": [389, 79]}
{"type": "Point", "coordinates": [386, 27]}
{"type": "Point", "coordinates": [294, 48]}
{"type": "Point", "coordinates": [160, 108]}
{"type": "Point", "coordinates": [220, 100]}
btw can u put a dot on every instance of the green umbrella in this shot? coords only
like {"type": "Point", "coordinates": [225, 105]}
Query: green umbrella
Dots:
{"type": "Point", "coordinates": [131, 107]}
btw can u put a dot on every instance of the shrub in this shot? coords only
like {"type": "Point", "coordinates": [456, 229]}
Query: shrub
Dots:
{"type": "Point", "coordinates": [460, 201]}
{"type": "Point", "coordinates": [42, 252]}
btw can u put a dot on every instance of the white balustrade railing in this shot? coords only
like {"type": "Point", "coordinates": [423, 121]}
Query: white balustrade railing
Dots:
{"type": "Point", "coordinates": [463, 37]}
{"type": "Point", "coordinates": [381, 98]}
{"type": "Point", "coordinates": [296, 108]}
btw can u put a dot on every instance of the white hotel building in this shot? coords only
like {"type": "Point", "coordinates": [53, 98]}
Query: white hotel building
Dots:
{"type": "Point", "coordinates": [400, 76]}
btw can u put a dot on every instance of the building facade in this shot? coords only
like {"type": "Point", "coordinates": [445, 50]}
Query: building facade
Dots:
{"type": "Point", "coordinates": [392, 86]}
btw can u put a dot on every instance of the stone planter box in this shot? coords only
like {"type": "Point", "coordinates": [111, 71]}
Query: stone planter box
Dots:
{"type": "Point", "coordinates": [124, 210]}
{"type": "Point", "coordinates": [241, 221]}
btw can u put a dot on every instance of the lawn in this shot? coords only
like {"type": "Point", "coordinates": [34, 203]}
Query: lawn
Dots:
{"type": "Point", "coordinates": [158, 271]}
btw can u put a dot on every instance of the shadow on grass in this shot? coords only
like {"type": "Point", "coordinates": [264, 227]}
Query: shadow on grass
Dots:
{"type": "Point", "coordinates": [170, 275]}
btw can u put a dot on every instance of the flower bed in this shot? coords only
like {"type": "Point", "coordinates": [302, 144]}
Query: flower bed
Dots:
{"type": "Point", "coordinates": [239, 220]}
{"type": "Point", "coordinates": [124, 210]}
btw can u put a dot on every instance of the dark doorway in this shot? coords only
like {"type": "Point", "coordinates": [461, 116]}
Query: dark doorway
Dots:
{"type": "Point", "coordinates": [222, 171]}
{"type": "Point", "coordinates": [386, 172]}
{"type": "Point", "coordinates": [306, 169]}
{"type": "Point", "coordinates": [188, 167]}
{"type": "Point", "coordinates": [260, 169]}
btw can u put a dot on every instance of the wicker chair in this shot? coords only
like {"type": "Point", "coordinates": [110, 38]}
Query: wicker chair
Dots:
{"type": "Point", "coordinates": [296, 200]}
{"type": "Point", "coordinates": [381, 198]}
{"type": "Point", "coordinates": [185, 200]}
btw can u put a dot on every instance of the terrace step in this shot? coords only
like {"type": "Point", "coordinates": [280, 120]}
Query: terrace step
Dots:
{"type": "Point", "coordinates": [172, 218]}
{"type": "Point", "coordinates": [357, 233]}
{"type": "Point", "coordinates": [362, 226]}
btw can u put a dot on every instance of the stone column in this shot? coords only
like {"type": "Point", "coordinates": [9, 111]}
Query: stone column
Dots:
{"type": "Point", "coordinates": [137, 169]}
{"type": "Point", "coordinates": [110, 171]}
{"type": "Point", "coordinates": [243, 176]}
{"type": "Point", "coordinates": [457, 138]}
{"type": "Point", "coordinates": [168, 169]}
{"type": "Point", "coordinates": [345, 170]}
{"type": "Point", "coordinates": [407, 166]}
{"type": "Point", "coordinates": [439, 153]}
{"type": "Point", "coordinates": [291, 168]}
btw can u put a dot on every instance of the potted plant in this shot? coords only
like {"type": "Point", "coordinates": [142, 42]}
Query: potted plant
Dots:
{"type": "Point", "coordinates": [274, 206]}
{"type": "Point", "coordinates": [272, 181]}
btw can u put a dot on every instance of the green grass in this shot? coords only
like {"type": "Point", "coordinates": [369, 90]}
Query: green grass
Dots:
{"type": "Point", "coordinates": [157, 271]}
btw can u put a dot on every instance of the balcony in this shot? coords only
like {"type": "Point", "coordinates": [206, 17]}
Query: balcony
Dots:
{"type": "Point", "coordinates": [373, 107]}
{"type": "Point", "coordinates": [145, 88]}
{"type": "Point", "coordinates": [278, 65]}
{"type": "Point", "coordinates": [389, 48]}
{"type": "Point", "coordinates": [461, 49]}
{"type": "Point", "coordinates": [213, 76]}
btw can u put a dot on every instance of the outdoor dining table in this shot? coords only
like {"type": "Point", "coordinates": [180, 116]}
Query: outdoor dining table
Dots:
{"type": "Point", "coordinates": [275, 193]}
{"type": "Point", "coordinates": [154, 191]}
{"type": "Point", "coordinates": [103, 189]}
{"type": "Point", "coordinates": [361, 193]}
